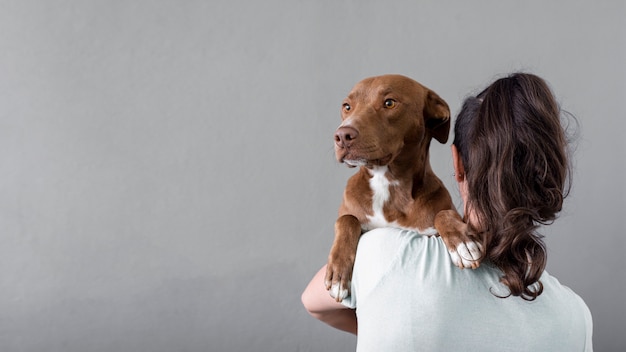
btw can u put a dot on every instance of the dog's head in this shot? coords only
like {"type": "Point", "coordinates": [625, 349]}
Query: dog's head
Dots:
{"type": "Point", "coordinates": [382, 115]}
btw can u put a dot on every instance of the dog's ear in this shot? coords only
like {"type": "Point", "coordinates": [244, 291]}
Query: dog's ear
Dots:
{"type": "Point", "coordinates": [437, 117]}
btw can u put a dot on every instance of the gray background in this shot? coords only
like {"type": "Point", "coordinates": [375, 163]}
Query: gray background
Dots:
{"type": "Point", "coordinates": [167, 179]}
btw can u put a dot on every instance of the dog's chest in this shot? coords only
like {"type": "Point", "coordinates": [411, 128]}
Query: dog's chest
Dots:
{"type": "Point", "coordinates": [381, 188]}
{"type": "Point", "coordinates": [381, 194]}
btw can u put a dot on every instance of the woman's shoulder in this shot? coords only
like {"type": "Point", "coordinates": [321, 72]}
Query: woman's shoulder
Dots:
{"type": "Point", "coordinates": [389, 238]}
{"type": "Point", "coordinates": [389, 242]}
{"type": "Point", "coordinates": [386, 245]}
{"type": "Point", "coordinates": [382, 252]}
{"type": "Point", "coordinates": [378, 248]}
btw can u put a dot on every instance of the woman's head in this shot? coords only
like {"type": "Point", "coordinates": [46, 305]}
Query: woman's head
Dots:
{"type": "Point", "coordinates": [514, 169]}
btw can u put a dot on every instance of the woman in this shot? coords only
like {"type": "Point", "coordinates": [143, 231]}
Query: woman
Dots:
{"type": "Point", "coordinates": [511, 166]}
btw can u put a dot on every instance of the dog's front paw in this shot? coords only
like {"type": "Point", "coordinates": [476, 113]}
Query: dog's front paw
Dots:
{"type": "Point", "coordinates": [338, 277]}
{"type": "Point", "coordinates": [337, 292]}
{"type": "Point", "coordinates": [464, 247]}
{"type": "Point", "coordinates": [467, 255]}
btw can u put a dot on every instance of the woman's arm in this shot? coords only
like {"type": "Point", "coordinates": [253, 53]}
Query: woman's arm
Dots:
{"type": "Point", "coordinates": [321, 306]}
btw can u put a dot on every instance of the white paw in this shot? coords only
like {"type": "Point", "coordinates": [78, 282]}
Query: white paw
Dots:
{"type": "Point", "coordinates": [337, 292]}
{"type": "Point", "coordinates": [467, 255]}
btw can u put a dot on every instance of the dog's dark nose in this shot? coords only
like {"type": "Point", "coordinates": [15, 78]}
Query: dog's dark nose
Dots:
{"type": "Point", "coordinates": [345, 136]}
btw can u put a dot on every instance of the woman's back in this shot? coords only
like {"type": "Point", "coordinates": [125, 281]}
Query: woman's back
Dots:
{"type": "Point", "coordinates": [406, 290]}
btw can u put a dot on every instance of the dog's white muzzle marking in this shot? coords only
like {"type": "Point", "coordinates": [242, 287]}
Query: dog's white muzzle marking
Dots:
{"type": "Point", "coordinates": [355, 163]}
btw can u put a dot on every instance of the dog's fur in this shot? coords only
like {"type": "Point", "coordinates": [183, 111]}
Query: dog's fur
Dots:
{"type": "Point", "coordinates": [387, 125]}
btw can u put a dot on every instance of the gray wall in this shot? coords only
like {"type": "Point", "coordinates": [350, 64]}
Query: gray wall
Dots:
{"type": "Point", "coordinates": [167, 180]}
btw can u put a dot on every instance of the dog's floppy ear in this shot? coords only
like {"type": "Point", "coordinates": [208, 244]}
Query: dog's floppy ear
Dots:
{"type": "Point", "coordinates": [437, 116]}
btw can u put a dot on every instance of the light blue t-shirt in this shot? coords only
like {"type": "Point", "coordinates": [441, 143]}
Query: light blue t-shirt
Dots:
{"type": "Point", "coordinates": [410, 297]}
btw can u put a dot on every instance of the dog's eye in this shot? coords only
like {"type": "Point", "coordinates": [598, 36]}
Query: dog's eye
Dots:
{"type": "Point", "coordinates": [390, 103]}
{"type": "Point", "coordinates": [346, 107]}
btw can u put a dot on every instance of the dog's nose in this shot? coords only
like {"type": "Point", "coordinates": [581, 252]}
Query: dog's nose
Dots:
{"type": "Point", "coordinates": [345, 136]}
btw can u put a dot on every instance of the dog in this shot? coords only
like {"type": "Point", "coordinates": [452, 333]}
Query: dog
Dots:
{"type": "Point", "coordinates": [387, 125]}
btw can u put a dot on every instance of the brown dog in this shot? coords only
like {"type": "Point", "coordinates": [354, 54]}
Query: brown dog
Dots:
{"type": "Point", "coordinates": [387, 125]}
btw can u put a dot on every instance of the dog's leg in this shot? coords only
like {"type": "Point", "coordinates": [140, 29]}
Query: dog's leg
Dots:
{"type": "Point", "coordinates": [341, 257]}
{"type": "Point", "coordinates": [465, 248]}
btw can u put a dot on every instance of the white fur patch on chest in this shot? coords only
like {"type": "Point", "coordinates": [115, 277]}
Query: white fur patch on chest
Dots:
{"type": "Point", "coordinates": [379, 184]}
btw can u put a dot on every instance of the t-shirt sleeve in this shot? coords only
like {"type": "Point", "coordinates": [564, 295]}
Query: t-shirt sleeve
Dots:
{"type": "Point", "coordinates": [588, 326]}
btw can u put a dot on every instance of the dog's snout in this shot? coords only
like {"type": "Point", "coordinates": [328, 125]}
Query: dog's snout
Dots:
{"type": "Point", "coordinates": [345, 136]}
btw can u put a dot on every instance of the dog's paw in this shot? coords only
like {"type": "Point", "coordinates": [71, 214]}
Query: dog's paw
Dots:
{"type": "Point", "coordinates": [337, 292]}
{"type": "Point", "coordinates": [466, 251]}
{"type": "Point", "coordinates": [338, 279]}
{"type": "Point", "coordinates": [467, 255]}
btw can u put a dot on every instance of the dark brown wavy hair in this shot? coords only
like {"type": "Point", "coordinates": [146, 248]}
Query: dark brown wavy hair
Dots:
{"type": "Point", "coordinates": [515, 154]}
